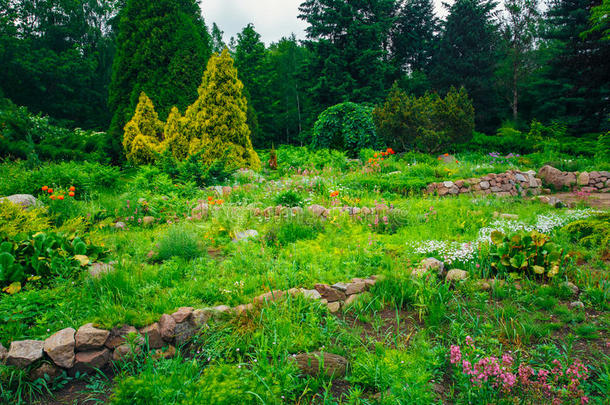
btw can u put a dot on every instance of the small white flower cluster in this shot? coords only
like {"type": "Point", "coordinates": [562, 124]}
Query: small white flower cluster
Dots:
{"type": "Point", "coordinates": [451, 252]}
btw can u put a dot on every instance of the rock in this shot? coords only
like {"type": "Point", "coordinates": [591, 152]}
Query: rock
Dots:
{"type": "Point", "coordinates": [577, 305]}
{"type": "Point", "coordinates": [296, 210]}
{"type": "Point", "coordinates": [571, 286]}
{"type": "Point", "coordinates": [329, 293]}
{"type": "Point", "coordinates": [483, 285]}
{"type": "Point", "coordinates": [152, 334]}
{"type": "Point", "coordinates": [312, 294]}
{"type": "Point", "coordinates": [484, 185]}
{"type": "Point", "coordinates": [125, 352]}
{"type": "Point", "coordinates": [556, 177]}
{"type": "Point", "coordinates": [3, 353]}
{"type": "Point", "coordinates": [90, 360]}
{"type": "Point", "coordinates": [148, 220]}
{"type": "Point", "coordinates": [226, 190]}
{"type": "Point", "coordinates": [60, 347]}
{"type": "Point", "coordinates": [351, 299]}
{"type": "Point", "coordinates": [167, 353]}
{"type": "Point", "coordinates": [316, 209]}
{"type": "Point", "coordinates": [316, 363]}
{"type": "Point", "coordinates": [167, 327]}
{"type": "Point", "coordinates": [250, 233]}
{"type": "Point", "coordinates": [89, 338]}
{"type": "Point", "coordinates": [269, 297]}
{"type": "Point", "coordinates": [201, 317]}
{"type": "Point", "coordinates": [182, 314]}
{"type": "Point", "coordinates": [184, 332]}
{"type": "Point", "coordinates": [583, 179]}
{"type": "Point", "coordinates": [221, 309]}
{"type": "Point", "coordinates": [45, 369]}
{"type": "Point", "coordinates": [520, 178]}
{"type": "Point", "coordinates": [456, 275]}
{"type": "Point", "coordinates": [433, 264]}
{"type": "Point", "coordinates": [96, 270]}
{"type": "Point", "coordinates": [22, 353]}
{"type": "Point", "coordinates": [118, 336]}
{"type": "Point", "coordinates": [356, 287]}
{"type": "Point", "coordinates": [120, 225]}
{"type": "Point", "coordinates": [23, 200]}
{"type": "Point", "coordinates": [340, 286]}
{"type": "Point", "coordinates": [511, 217]}
{"type": "Point", "coordinates": [240, 309]}
{"type": "Point", "coordinates": [334, 306]}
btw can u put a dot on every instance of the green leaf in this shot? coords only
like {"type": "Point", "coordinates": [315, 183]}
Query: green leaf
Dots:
{"type": "Point", "coordinates": [497, 237]}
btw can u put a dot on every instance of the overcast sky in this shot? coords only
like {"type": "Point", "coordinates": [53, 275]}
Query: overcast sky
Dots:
{"type": "Point", "coordinates": [273, 19]}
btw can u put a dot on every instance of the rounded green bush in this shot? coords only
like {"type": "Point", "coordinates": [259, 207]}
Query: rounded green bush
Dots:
{"type": "Point", "coordinates": [346, 126]}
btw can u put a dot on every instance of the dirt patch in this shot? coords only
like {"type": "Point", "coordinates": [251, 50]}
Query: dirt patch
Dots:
{"type": "Point", "coordinates": [594, 200]}
{"type": "Point", "coordinates": [386, 326]}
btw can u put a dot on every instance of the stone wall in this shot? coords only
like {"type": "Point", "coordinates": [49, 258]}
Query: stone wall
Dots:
{"type": "Point", "coordinates": [598, 181]}
{"type": "Point", "coordinates": [511, 183]}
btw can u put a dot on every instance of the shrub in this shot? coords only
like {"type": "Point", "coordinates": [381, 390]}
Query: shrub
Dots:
{"type": "Point", "coordinates": [179, 240]}
{"type": "Point", "coordinates": [346, 126]}
{"type": "Point", "coordinates": [429, 123]}
{"type": "Point", "coordinates": [42, 257]}
{"type": "Point", "coordinates": [530, 253]}
{"type": "Point", "coordinates": [602, 152]}
{"type": "Point", "coordinates": [592, 232]}
{"type": "Point", "coordinates": [289, 199]}
{"type": "Point", "coordinates": [14, 219]}
{"type": "Point", "coordinates": [143, 133]}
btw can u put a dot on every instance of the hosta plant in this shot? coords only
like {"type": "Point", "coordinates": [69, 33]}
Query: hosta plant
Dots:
{"type": "Point", "coordinates": [526, 253]}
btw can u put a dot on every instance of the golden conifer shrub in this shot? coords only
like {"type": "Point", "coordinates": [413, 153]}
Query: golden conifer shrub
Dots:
{"type": "Point", "coordinates": [216, 122]}
{"type": "Point", "coordinates": [176, 138]}
{"type": "Point", "coordinates": [143, 136]}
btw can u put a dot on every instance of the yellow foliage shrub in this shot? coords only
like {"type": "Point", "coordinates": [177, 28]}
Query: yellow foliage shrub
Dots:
{"type": "Point", "coordinates": [143, 135]}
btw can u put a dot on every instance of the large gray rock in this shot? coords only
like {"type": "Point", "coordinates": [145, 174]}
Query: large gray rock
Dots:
{"type": "Point", "coordinates": [24, 200]}
{"type": "Point", "coordinates": [432, 264]}
{"type": "Point", "coordinates": [90, 338]}
{"type": "Point", "coordinates": [60, 347]}
{"type": "Point", "coordinates": [184, 331]}
{"type": "Point", "coordinates": [22, 353]}
{"type": "Point", "coordinates": [583, 179]}
{"type": "Point", "coordinates": [182, 314]}
{"type": "Point", "coordinates": [316, 209]}
{"type": "Point", "coordinates": [556, 177]}
{"type": "Point", "coordinates": [329, 293]}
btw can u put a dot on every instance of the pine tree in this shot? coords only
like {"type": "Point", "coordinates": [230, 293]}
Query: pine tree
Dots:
{"type": "Point", "coordinates": [143, 134]}
{"type": "Point", "coordinates": [467, 57]}
{"type": "Point", "coordinates": [216, 122]}
{"type": "Point", "coordinates": [163, 46]}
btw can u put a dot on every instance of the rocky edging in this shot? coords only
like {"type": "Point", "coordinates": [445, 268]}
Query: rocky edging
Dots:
{"type": "Point", "coordinates": [88, 347]}
{"type": "Point", "coordinates": [510, 183]}
{"type": "Point", "coordinates": [591, 182]}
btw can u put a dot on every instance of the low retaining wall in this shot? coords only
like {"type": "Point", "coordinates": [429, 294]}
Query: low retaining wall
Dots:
{"type": "Point", "coordinates": [598, 181]}
{"type": "Point", "coordinates": [511, 183]}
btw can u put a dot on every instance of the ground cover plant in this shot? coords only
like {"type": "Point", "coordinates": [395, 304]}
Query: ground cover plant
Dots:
{"type": "Point", "coordinates": [401, 339]}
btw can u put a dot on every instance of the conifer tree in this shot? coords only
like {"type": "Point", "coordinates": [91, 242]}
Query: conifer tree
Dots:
{"type": "Point", "coordinates": [176, 139]}
{"type": "Point", "coordinates": [143, 133]}
{"type": "Point", "coordinates": [216, 122]}
{"type": "Point", "coordinates": [162, 48]}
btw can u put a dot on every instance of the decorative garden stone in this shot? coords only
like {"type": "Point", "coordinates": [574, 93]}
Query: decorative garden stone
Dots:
{"type": "Point", "coordinates": [152, 334]}
{"type": "Point", "coordinates": [456, 275]}
{"type": "Point", "coordinates": [329, 293]}
{"type": "Point", "coordinates": [23, 200]}
{"type": "Point", "coordinates": [90, 360]}
{"type": "Point", "coordinates": [118, 336]}
{"type": "Point", "coordinates": [167, 326]}
{"type": "Point", "coordinates": [22, 353]}
{"type": "Point", "coordinates": [89, 338]}
{"type": "Point", "coordinates": [44, 369]}
{"type": "Point", "coordinates": [183, 314]}
{"type": "Point", "coordinates": [60, 347]}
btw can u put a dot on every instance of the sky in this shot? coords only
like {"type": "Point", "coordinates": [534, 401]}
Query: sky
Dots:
{"type": "Point", "coordinates": [273, 19]}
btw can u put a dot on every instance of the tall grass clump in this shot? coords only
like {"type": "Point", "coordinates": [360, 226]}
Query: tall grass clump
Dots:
{"type": "Point", "coordinates": [179, 240]}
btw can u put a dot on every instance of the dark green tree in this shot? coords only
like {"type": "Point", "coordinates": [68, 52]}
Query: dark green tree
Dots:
{"type": "Point", "coordinates": [467, 57]}
{"type": "Point", "coordinates": [574, 82]}
{"type": "Point", "coordinates": [412, 39]}
{"type": "Point", "coordinates": [250, 61]}
{"type": "Point", "coordinates": [218, 44]}
{"type": "Point", "coordinates": [348, 42]}
{"type": "Point", "coordinates": [163, 47]}
{"type": "Point", "coordinates": [55, 57]}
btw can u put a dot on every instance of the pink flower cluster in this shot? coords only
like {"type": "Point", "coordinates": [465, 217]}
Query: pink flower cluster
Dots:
{"type": "Point", "coordinates": [556, 386]}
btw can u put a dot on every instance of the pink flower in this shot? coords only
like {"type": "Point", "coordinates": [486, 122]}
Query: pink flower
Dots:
{"type": "Point", "coordinates": [455, 354]}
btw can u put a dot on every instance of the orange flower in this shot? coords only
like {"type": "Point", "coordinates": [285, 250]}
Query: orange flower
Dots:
{"type": "Point", "coordinates": [219, 202]}
{"type": "Point", "coordinates": [446, 154]}
{"type": "Point", "coordinates": [210, 198]}
{"type": "Point", "coordinates": [71, 193]}
{"type": "Point", "coordinates": [457, 161]}
{"type": "Point", "coordinates": [439, 158]}
{"type": "Point", "coordinates": [211, 202]}
{"type": "Point", "coordinates": [45, 188]}
{"type": "Point", "coordinates": [50, 190]}
{"type": "Point", "coordinates": [370, 160]}
{"type": "Point", "coordinates": [52, 197]}
{"type": "Point", "coordinates": [60, 197]}
{"type": "Point", "coordinates": [72, 188]}
{"type": "Point", "coordinates": [375, 155]}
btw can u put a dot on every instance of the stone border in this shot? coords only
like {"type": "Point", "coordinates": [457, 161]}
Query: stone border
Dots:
{"type": "Point", "coordinates": [90, 348]}
{"type": "Point", "coordinates": [510, 183]}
